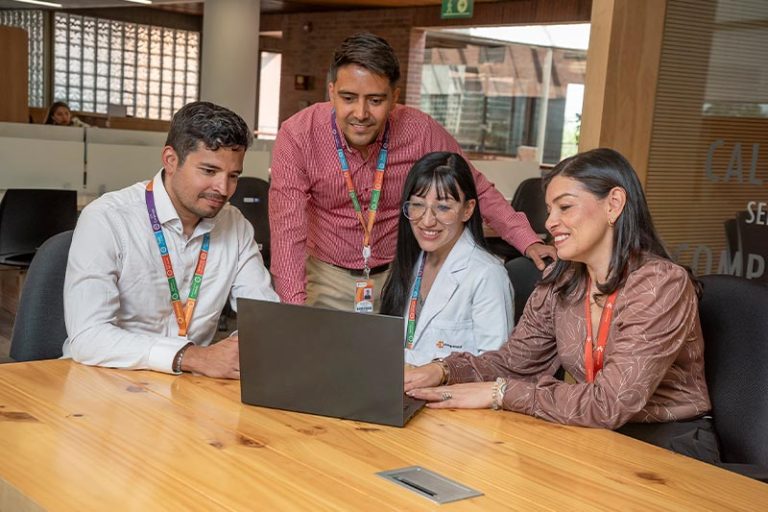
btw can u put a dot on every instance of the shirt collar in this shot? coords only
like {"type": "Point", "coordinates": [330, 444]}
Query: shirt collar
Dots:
{"type": "Point", "coordinates": [166, 212]}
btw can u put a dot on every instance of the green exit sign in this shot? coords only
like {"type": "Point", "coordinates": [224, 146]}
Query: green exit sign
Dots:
{"type": "Point", "coordinates": [456, 9]}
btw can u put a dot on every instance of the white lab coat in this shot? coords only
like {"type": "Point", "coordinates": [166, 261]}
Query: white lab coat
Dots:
{"type": "Point", "coordinates": [469, 307]}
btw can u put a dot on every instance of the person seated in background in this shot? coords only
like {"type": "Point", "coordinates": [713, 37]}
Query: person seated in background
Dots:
{"type": "Point", "coordinates": [455, 295]}
{"type": "Point", "coordinates": [59, 114]}
{"type": "Point", "coordinates": [138, 252]}
{"type": "Point", "coordinates": [615, 311]}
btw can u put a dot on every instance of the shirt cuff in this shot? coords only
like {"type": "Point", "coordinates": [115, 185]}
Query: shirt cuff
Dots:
{"type": "Point", "coordinates": [526, 242]}
{"type": "Point", "coordinates": [460, 369]}
{"type": "Point", "coordinates": [163, 352]}
{"type": "Point", "coordinates": [520, 396]}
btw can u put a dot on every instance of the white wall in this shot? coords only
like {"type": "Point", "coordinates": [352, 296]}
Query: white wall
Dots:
{"type": "Point", "coordinates": [507, 174]}
{"type": "Point", "coordinates": [99, 160]}
{"type": "Point", "coordinates": [91, 161]}
{"type": "Point", "coordinates": [40, 156]}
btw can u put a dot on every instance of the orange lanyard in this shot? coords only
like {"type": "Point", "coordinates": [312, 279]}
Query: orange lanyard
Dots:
{"type": "Point", "coordinates": [381, 165]}
{"type": "Point", "coordinates": [593, 357]}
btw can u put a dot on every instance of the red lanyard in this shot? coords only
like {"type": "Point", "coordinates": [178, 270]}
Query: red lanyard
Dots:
{"type": "Point", "coordinates": [593, 357]}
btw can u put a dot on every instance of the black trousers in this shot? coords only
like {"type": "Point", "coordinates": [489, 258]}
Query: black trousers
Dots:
{"type": "Point", "coordinates": [694, 438]}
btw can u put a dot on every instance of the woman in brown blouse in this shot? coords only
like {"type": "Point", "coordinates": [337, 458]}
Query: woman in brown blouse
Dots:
{"type": "Point", "coordinates": [615, 312]}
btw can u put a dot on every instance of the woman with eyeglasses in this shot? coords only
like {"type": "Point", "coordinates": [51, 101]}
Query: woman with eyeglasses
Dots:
{"type": "Point", "coordinates": [454, 295]}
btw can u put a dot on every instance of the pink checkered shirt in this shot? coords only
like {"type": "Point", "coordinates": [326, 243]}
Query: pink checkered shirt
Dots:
{"type": "Point", "coordinates": [310, 211]}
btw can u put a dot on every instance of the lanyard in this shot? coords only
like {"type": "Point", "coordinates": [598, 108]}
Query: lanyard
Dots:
{"type": "Point", "coordinates": [411, 330]}
{"type": "Point", "coordinates": [381, 165]}
{"type": "Point", "coordinates": [183, 313]}
{"type": "Point", "coordinates": [594, 363]}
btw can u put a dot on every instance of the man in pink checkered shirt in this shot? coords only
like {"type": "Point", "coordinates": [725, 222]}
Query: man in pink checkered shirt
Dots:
{"type": "Point", "coordinates": [318, 238]}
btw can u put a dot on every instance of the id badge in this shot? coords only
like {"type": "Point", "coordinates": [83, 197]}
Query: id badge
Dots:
{"type": "Point", "coordinates": [364, 296]}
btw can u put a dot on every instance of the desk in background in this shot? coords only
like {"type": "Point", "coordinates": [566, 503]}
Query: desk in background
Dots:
{"type": "Point", "coordinates": [79, 438]}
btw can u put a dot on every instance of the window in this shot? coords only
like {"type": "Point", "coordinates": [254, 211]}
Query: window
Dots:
{"type": "Point", "coordinates": [269, 95]}
{"type": "Point", "coordinates": [150, 70]}
{"type": "Point", "coordinates": [488, 88]}
{"type": "Point", "coordinates": [32, 22]}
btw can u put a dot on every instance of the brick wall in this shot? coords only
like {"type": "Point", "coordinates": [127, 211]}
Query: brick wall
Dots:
{"type": "Point", "coordinates": [309, 53]}
{"type": "Point", "coordinates": [309, 39]}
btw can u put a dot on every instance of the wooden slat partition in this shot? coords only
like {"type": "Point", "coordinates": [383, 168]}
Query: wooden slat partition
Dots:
{"type": "Point", "coordinates": [713, 53]}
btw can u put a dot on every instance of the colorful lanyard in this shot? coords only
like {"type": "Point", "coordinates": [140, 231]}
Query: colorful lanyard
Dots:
{"type": "Point", "coordinates": [377, 184]}
{"type": "Point", "coordinates": [411, 330]}
{"type": "Point", "coordinates": [183, 313]}
{"type": "Point", "coordinates": [594, 363]}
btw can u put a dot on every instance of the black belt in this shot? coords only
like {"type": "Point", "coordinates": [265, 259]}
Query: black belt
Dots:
{"type": "Point", "coordinates": [360, 272]}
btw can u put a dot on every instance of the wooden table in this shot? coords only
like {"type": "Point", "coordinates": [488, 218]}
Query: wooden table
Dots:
{"type": "Point", "coordinates": [79, 438]}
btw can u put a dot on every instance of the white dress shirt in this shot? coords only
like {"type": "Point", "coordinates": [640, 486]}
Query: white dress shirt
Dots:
{"type": "Point", "coordinates": [469, 307]}
{"type": "Point", "coordinates": [117, 303]}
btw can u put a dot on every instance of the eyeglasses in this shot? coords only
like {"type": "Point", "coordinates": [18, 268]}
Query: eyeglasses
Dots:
{"type": "Point", "coordinates": [444, 214]}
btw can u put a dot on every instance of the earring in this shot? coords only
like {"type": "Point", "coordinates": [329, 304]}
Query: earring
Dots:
{"type": "Point", "coordinates": [611, 222]}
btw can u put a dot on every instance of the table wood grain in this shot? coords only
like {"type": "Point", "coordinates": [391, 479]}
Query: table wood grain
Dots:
{"type": "Point", "coordinates": [76, 438]}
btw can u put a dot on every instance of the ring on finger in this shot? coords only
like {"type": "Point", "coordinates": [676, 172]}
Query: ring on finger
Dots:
{"type": "Point", "coordinates": [446, 396]}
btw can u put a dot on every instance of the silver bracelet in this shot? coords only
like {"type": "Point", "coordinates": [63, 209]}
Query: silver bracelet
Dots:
{"type": "Point", "coordinates": [497, 395]}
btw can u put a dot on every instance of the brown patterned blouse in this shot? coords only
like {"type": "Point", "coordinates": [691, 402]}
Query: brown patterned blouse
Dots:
{"type": "Point", "coordinates": [654, 358]}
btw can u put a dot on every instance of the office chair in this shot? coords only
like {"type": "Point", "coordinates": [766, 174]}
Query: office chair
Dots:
{"type": "Point", "coordinates": [752, 242]}
{"type": "Point", "coordinates": [39, 331]}
{"type": "Point", "coordinates": [529, 199]}
{"type": "Point", "coordinates": [29, 217]}
{"type": "Point", "coordinates": [524, 276]}
{"type": "Point", "coordinates": [735, 327]}
{"type": "Point", "coordinates": [251, 198]}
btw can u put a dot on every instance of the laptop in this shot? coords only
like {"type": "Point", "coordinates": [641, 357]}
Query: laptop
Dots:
{"type": "Point", "coordinates": [323, 361]}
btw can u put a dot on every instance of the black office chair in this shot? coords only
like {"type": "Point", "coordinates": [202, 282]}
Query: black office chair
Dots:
{"type": "Point", "coordinates": [524, 276]}
{"type": "Point", "coordinates": [252, 199]}
{"type": "Point", "coordinates": [29, 217]}
{"type": "Point", "coordinates": [528, 199]}
{"type": "Point", "coordinates": [39, 331]}
{"type": "Point", "coordinates": [735, 326]}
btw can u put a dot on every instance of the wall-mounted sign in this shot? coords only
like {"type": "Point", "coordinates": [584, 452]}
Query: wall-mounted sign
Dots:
{"type": "Point", "coordinates": [456, 9]}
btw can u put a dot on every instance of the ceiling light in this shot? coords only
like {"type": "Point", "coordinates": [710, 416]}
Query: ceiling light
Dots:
{"type": "Point", "coordinates": [38, 2]}
{"type": "Point", "coordinates": [145, 2]}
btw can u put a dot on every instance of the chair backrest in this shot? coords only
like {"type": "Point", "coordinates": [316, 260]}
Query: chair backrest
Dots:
{"type": "Point", "coordinates": [753, 244]}
{"type": "Point", "coordinates": [529, 199]}
{"type": "Point", "coordinates": [734, 320]}
{"type": "Point", "coordinates": [39, 331]}
{"type": "Point", "coordinates": [252, 199]}
{"type": "Point", "coordinates": [524, 276]}
{"type": "Point", "coordinates": [29, 217]}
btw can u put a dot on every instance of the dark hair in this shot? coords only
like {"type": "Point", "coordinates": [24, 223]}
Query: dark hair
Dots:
{"type": "Point", "coordinates": [369, 51]}
{"type": "Point", "coordinates": [52, 110]}
{"type": "Point", "coordinates": [634, 236]}
{"type": "Point", "coordinates": [216, 127]}
{"type": "Point", "coordinates": [448, 173]}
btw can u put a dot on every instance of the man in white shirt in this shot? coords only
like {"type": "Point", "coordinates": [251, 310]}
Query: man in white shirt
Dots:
{"type": "Point", "coordinates": [151, 266]}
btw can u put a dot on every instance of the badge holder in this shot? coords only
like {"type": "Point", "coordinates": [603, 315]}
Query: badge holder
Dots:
{"type": "Point", "coordinates": [364, 287]}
